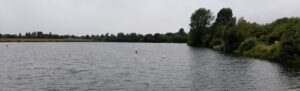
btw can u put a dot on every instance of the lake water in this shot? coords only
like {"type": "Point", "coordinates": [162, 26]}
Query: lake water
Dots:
{"type": "Point", "coordinates": [116, 67]}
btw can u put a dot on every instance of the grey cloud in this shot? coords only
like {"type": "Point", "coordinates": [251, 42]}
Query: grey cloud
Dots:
{"type": "Point", "coordinates": [142, 16]}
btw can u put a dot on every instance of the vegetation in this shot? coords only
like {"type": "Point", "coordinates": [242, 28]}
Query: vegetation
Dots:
{"type": "Point", "coordinates": [46, 40]}
{"type": "Point", "coordinates": [246, 45]}
{"type": "Point", "coordinates": [178, 37]}
{"type": "Point", "coordinates": [278, 41]}
{"type": "Point", "coordinates": [199, 26]}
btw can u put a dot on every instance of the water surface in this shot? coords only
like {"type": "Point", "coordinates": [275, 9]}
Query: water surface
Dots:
{"type": "Point", "coordinates": [116, 67]}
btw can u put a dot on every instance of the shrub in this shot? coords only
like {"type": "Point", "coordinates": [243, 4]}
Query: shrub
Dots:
{"type": "Point", "coordinates": [260, 51]}
{"type": "Point", "coordinates": [274, 53]}
{"type": "Point", "coordinates": [247, 45]}
{"type": "Point", "coordinates": [289, 44]}
{"type": "Point", "coordinates": [263, 38]}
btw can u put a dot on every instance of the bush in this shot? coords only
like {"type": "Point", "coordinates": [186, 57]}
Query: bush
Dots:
{"type": "Point", "coordinates": [289, 44]}
{"type": "Point", "coordinates": [247, 45]}
{"type": "Point", "coordinates": [274, 53]}
{"type": "Point", "coordinates": [260, 51]}
{"type": "Point", "coordinates": [263, 38]}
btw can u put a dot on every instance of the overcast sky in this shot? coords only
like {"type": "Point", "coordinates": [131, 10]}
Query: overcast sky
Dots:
{"type": "Point", "coordinates": [82, 17]}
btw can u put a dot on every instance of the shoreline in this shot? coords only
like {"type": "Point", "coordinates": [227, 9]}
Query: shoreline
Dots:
{"type": "Point", "coordinates": [46, 40]}
{"type": "Point", "coordinates": [24, 40]}
{"type": "Point", "coordinates": [266, 58]}
{"type": "Point", "coordinates": [5, 40]}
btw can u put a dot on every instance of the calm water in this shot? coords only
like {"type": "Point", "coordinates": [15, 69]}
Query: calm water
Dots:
{"type": "Point", "coordinates": [116, 67]}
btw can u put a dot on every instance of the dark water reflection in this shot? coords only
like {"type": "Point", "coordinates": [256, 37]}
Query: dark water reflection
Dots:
{"type": "Point", "coordinates": [215, 71]}
{"type": "Point", "coordinates": [289, 74]}
{"type": "Point", "coordinates": [116, 67]}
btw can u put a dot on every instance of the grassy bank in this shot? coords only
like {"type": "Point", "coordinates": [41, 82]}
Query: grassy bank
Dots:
{"type": "Point", "coordinates": [273, 52]}
{"type": "Point", "coordinates": [45, 40]}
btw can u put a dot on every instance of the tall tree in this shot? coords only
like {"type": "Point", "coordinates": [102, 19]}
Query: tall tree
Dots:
{"type": "Point", "coordinates": [199, 25]}
{"type": "Point", "coordinates": [290, 42]}
{"type": "Point", "coordinates": [225, 25]}
{"type": "Point", "coordinates": [224, 17]}
{"type": "Point", "coordinates": [223, 22]}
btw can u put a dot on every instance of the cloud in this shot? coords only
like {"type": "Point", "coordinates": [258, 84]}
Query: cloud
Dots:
{"type": "Point", "coordinates": [142, 16]}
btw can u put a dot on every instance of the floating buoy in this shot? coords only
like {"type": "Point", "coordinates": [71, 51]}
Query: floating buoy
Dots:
{"type": "Point", "coordinates": [163, 56]}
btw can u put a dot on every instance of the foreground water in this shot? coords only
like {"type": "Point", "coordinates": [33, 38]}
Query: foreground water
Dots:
{"type": "Point", "coordinates": [116, 67]}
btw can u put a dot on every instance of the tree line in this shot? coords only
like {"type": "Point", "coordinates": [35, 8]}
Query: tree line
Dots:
{"type": "Point", "coordinates": [39, 35]}
{"type": "Point", "coordinates": [278, 40]}
{"type": "Point", "coordinates": [178, 37]}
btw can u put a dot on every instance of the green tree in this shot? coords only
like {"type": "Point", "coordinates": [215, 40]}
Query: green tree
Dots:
{"type": "Point", "coordinates": [133, 37]}
{"type": "Point", "coordinates": [224, 24]}
{"type": "Point", "coordinates": [181, 32]}
{"type": "Point", "coordinates": [224, 28]}
{"type": "Point", "coordinates": [180, 36]}
{"type": "Point", "coordinates": [199, 26]}
{"type": "Point", "coordinates": [231, 37]}
{"type": "Point", "coordinates": [290, 42]}
{"type": "Point", "coordinates": [224, 16]}
{"type": "Point", "coordinates": [121, 37]}
{"type": "Point", "coordinates": [247, 45]}
{"type": "Point", "coordinates": [156, 37]}
{"type": "Point", "coordinates": [148, 38]}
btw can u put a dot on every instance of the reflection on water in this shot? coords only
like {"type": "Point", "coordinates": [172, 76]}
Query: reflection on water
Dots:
{"type": "Point", "coordinates": [215, 71]}
{"type": "Point", "coordinates": [290, 75]}
{"type": "Point", "coordinates": [117, 67]}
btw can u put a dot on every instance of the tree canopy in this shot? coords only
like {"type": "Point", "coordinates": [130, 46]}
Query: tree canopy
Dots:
{"type": "Point", "coordinates": [200, 22]}
{"type": "Point", "coordinates": [178, 37]}
{"type": "Point", "coordinates": [279, 40]}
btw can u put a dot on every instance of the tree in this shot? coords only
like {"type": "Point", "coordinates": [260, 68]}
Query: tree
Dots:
{"type": "Point", "coordinates": [247, 44]}
{"type": "Point", "coordinates": [231, 37]}
{"type": "Point", "coordinates": [244, 28]}
{"type": "Point", "coordinates": [87, 37]}
{"type": "Point", "coordinates": [133, 37]}
{"type": "Point", "coordinates": [181, 32]}
{"type": "Point", "coordinates": [156, 37]}
{"type": "Point", "coordinates": [224, 16]}
{"type": "Point", "coordinates": [224, 28]}
{"type": "Point", "coordinates": [39, 34]}
{"type": "Point", "coordinates": [221, 25]}
{"type": "Point", "coordinates": [199, 25]}
{"type": "Point", "coordinates": [180, 36]}
{"type": "Point", "coordinates": [28, 35]}
{"type": "Point", "coordinates": [121, 37]}
{"type": "Point", "coordinates": [20, 35]}
{"type": "Point", "coordinates": [290, 42]}
{"type": "Point", "coordinates": [148, 38]}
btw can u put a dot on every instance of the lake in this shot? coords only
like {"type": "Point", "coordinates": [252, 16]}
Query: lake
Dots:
{"type": "Point", "coordinates": [155, 67]}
